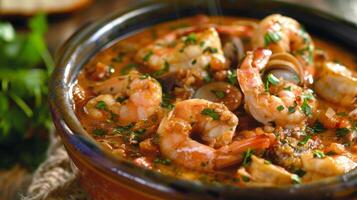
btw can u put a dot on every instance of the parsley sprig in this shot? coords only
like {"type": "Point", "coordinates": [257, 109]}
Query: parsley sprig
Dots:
{"type": "Point", "coordinates": [23, 93]}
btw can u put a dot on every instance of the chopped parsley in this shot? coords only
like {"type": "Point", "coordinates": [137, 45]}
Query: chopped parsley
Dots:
{"type": "Point", "coordinates": [341, 132]}
{"type": "Point", "coordinates": [292, 109]}
{"type": "Point", "coordinates": [207, 78]}
{"type": "Point", "coordinates": [210, 112]}
{"type": "Point", "coordinates": [210, 50]}
{"type": "Point", "coordinates": [191, 39]}
{"type": "Point", "coordinates": [232, 77]}
{"type": "Point", "coordinates": [318, 154]}
{"type": "Point", "coordinates": [144, 76]}
{"type": "Point", "coordinates": [128, 134]}
{"type": "Point", "coordinates": [299, 172]}
{"type": "Point", "coordinates": [101, 105]}
{"type": "Point", "coordinates": [219, 94]}
{"type": "Point", "coordinates": [126, 69]}
{"type": "Point", "coordinates": [304, 140]}
{"type": "Point", "coordinates": [271, 37]}
{"type": "Point", "coordinates": [166, 101]}
{"type": "Point", "coordinates": [295, 179]}
{"type": "Point", "coordinates": [318, 127]}
{"type": "Point", "coordinates": [147, 56]}
{"type": "Point", "coordinates": [163, 161]}
{"type": "Point", "coordinates": [288, 88]}
{"type": "Point", "coordinates": [99, 132]}
{"type": "Point", "coordinates": [202, 43]}
{"type": "Point", "coordinates": [271, 79]}
{"type": "Point", "coordinates": [163, 70]}
{"type": "Point", "coordinates": [245, 178]}
{"type": "Point", "coordinates": [194, 62]}
{"type": "Point", "coordinates": [247, 157]}
{"type": "Point", "coordinates": [306, 108]}
{"type": "Point", "coordinates": [124, 129]}
{"type": "Point", "coordinates": [280, 108]}
{"type": "Point", "coordinates": [121, 99]}
{"type": "Point", "coordinates": [267, 162]}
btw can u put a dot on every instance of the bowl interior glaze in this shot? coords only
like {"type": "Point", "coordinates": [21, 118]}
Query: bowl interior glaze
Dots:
{"type": "Point", "coordinates": [88, 40]}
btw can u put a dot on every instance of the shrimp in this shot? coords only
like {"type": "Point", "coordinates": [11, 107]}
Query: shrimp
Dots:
{"type": "Point", "coordinates": [284, 34]}
{"type": "Point", "coordinates": [337, 84]}
{"type": "Point", "coordinates": [326, 166]}
{"type": "Point", "coordinates": [286, 104]}
{"type": "Point", "coordinates": [214, 126]}
{"type": "Point", "coordinates": [185, 49]}
{"type": "Point", "coordinates": [262, 172]}
{"type": "Point", "coordinates": [132, 97]}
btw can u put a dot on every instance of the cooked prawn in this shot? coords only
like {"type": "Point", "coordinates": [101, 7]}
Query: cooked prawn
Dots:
{"type": "Point", "coordinates": [286, 104]}
{"type": "Point", "coordinates": [215, 126]}
{"type": "Point", "coordinates": [131, 97]}
{"type": "Point", "coordinates": [331, 165]}
{"type": "Point", "coordinates": [284, 34]}
{"type": "Point", "coordinates": [262, 172]}
{"type": "Point", "coordinates": [185, 49]}
{"type": "Point", "coordinates": [337, 84]}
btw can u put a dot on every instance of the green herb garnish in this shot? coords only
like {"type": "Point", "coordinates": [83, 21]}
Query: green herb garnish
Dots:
{"type": "Point", "coordinates": [318, 127]}
{"type": "Point", "coordinates": [163, 161]}
{"type": "Point", "coordinates": [127, 68]}
{"type": "Point", "coordinates": [25, 68]}
{"type": "Point", "coordinates": [247, 157]}
{"type": "Point", "coordinates": [191, 39]}
{"type": "Point", "coordinates": [280, 108]}
{"type": "Point", "coordinates": [99, 132]}
{"type": "Point", "coordinates": [304, 140]}
{"type": "Point", "coordinates": [245, 178]}
{"type": "Point", "coordinates": [341, 132]}
{"type": "Point", "coordinates": [121, 99]}
{"type": "Point", "coordinates": [210, 50]}
{"type": "Point", "coordinates": [292, 109]}
{"type": "Point", "coordinates": [210, 112]}
{"type": "Point", "coordinates": [163, 70]}
{"type": "Point", "coordinates": [318, 154]}
{"type": "Point", "coordinates": [295, 179]}
{"type": "Point", "coordinates": [166, 101]}
{"type": "Point", "coordinates": [148, 55]}
{"type": "Point", "coordinates": [306, 108]}
{"type": "Point", "coordinates": [288, 88]}
{"type": "Point", "coordinates": [232, 77]}
{"type": "Point", "coordinates": [101, 105]}
{"type": "Point", "coordinates": [271, 37]}
{"type": "Point", "coordinates": [271, 79]}
{"type": "Point", "coordinates": [144, 76]}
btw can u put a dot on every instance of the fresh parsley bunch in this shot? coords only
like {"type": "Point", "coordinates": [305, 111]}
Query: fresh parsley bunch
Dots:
{"type": "Point", "coordinates": [25, 66]}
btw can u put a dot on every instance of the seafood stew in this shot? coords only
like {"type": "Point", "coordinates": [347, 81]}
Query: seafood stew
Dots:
{"type": "Point", "coordinates": [224, 100]}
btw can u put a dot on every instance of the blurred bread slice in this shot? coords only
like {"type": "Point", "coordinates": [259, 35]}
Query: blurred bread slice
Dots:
{"type": "Point", "coordinates": [30, 7]}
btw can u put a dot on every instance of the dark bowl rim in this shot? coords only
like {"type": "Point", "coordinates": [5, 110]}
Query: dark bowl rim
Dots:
{"type": "Point", "coordinates": [71, 131]}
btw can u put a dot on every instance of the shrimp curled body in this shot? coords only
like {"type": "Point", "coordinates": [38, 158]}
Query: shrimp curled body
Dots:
{"type": "Point", "coordinates": [131, 97]}
{"type": "Point", "coordinates": [283, 104]}
{"type": "Point", "coordinates": [283, 34]}
{"type": "Point", "coordinates": [215, 149]}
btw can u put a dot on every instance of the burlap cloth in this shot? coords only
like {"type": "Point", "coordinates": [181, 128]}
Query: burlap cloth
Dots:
{"type": "Point", "coordinates": [56, 178]}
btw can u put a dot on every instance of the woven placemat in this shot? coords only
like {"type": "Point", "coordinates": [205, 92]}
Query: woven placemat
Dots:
{"type": "Point", "coordinates": [56, 178]}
